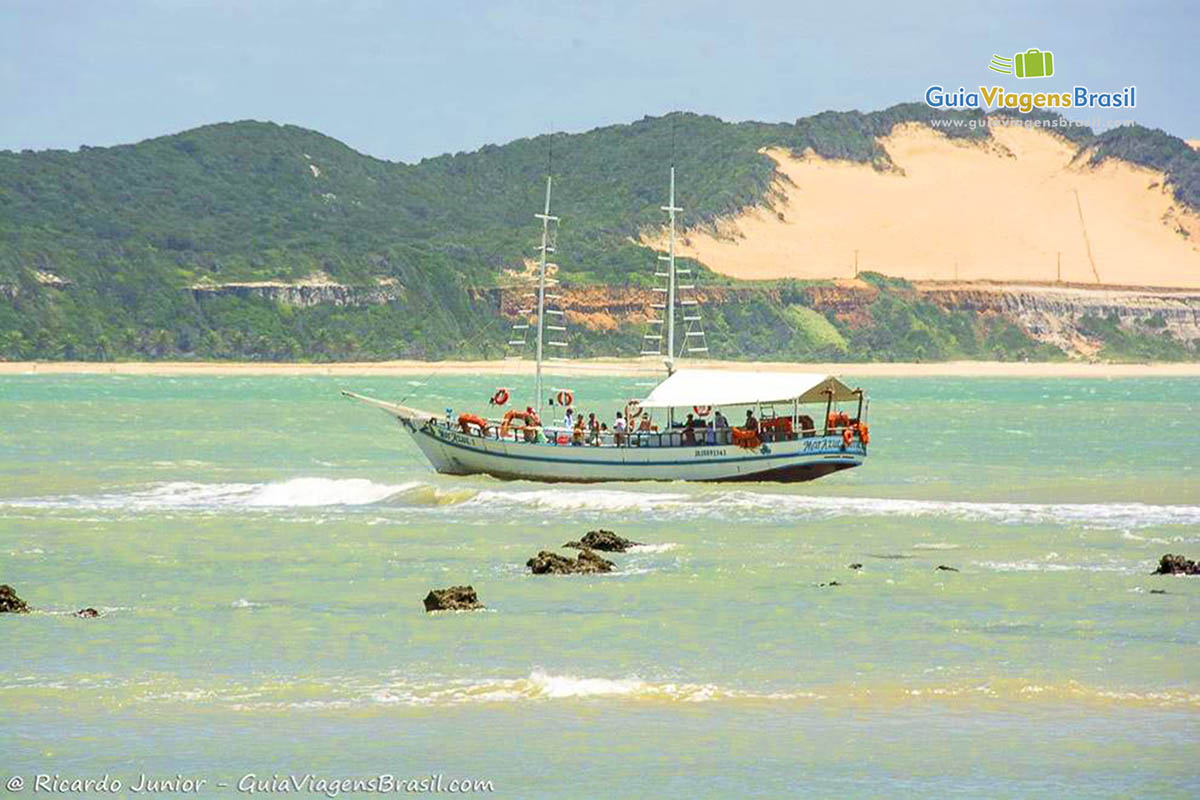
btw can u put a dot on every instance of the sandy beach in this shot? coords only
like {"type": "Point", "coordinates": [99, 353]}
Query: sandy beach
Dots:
{"type": "Point", "coordinates": [607, 366]}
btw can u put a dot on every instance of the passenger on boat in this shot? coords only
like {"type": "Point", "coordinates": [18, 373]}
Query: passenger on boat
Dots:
{"type": "Point", "coordinates": [532, 423]}
{"type": "Point", "coordinates": [751, 422]}
{"type": "Point", "coordinates": [689, 430]}
{"type": "Point", "coordinates": [593, 430]}
{"type": "Point", "coordinates": [577, 432]}
{"type": "Point", "coordinates": [719, 421]}
{"type": "Point", "coordinates": [806, 425]}
{"type": "Point", "coordinates": [569, 418]}
{"type": "Point", "coordinates": [619, 428]}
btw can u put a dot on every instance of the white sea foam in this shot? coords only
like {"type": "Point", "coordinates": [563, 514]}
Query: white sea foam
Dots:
{"type": "Point", "coordinates": [661, 547]}
{"type": "Point", "coordinates": [743, 503]}
{"type": "Point", "coordinates": [738, 505]}
{"type": "Point", "coordinates": [294, 493]}
{"type": "Point", "coordinates": [1045, 565]}
{"type": "Point", "coordinates": [325, 492]}
{"type": "Point", "coordinates": [546, 687]}
{"type": "Point", "coordinates": [538, 686]}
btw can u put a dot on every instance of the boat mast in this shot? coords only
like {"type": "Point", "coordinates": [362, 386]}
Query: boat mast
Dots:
{"type": "Point", "coordinates": [541, 295]}
{"type": "Point", "coordinates": [671, 208]}
{"type": "Point", "coordinates": [681, 295]}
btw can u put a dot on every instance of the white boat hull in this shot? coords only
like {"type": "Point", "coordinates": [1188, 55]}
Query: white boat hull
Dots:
{"type": "Point", "coordinates": [799, 459]}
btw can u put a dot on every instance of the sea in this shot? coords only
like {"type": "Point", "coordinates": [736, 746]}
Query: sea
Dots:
{"type": "Point", "coordinates": [259, 547]}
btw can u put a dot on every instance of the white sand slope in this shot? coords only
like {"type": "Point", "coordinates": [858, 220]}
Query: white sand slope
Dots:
{"type": "Point", "coordinates": [1007, 210]}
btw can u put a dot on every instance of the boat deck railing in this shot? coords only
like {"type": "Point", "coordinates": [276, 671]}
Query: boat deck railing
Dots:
{"type": "Point", "coordinates": [561, 436]}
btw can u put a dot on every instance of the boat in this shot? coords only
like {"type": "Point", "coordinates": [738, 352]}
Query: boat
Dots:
{"type": "Point", "coordinates": [794, 426]}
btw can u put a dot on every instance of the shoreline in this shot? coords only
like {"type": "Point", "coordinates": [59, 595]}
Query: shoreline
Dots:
{"type": "Point", "coordinates": [606, 366]}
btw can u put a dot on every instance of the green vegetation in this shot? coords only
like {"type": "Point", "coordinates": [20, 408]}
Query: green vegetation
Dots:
{"type": "Point", "coordinates": [131, 228]}
{"type": "Point", "coordinates": [1121, 344]}
{"type": "Point", "coordinates": [1157, 150]}
{"type": "Point", "coordinates": [816, 329]}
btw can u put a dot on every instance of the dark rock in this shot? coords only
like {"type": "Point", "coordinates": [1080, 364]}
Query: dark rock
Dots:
{"type": "Point", "coordinates": [603, 540]}
{"type": "Point", "coordinates": [10, 603]}
{"type": "Point", "coordinates": [87, 613]}
{"type": "Point", "coordinates": [855, 565]}
{"type": "Point", "coordinates": [548, 563]}
{"type": "Point", "coordinates": [1158, 591]}
{"type": "Point", "coordinates": [831, 583]}
{"type": "Point", "coordinates": [456, 598]}
{"type": "Point", "coordinates": [944, 568]}
{"type": "Point", "coordinates": [1176, 565]}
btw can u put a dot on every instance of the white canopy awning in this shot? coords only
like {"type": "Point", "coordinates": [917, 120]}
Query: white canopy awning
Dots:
{"type": "Point", "coordinates": [718, 387]}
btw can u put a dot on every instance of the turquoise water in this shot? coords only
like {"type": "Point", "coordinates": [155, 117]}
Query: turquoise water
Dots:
{"type": "Point", "coordinates": [260, 546]}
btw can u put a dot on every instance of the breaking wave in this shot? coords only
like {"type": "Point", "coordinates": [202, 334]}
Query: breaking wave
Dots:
{"type": "Point", "coordinates": [295, 493]}
{"type": "Point", "coordinates": [543, 686]}
{"type": "Point", "coordinates": [741, 504]}
{"type": "Point", "coordinates": [732, 504]}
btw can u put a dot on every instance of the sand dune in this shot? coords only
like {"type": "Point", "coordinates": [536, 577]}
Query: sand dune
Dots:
{"type": "Point", "coordinates": [1011, 209]}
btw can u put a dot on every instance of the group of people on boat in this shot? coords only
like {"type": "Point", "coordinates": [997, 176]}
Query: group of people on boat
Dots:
{"type": "Point", "coordinates": [634, 427]}
{"type": "Point", "coordinates": [591, 431]}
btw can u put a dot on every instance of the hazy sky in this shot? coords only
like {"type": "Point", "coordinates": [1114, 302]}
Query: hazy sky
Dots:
{"type": "Point", "coordinates": [405, 80]}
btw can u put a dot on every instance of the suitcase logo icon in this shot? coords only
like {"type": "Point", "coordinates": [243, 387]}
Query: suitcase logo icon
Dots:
{"type": "Point", "coordinates": [1033, 63]}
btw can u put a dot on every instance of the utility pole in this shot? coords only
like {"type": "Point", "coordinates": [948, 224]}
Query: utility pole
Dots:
{"type": "Point", "coordinates": [855, 263]}
{"type": "Point", "coordinates": [1059, 278]}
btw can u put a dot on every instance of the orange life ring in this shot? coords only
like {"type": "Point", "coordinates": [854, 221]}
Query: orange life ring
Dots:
{"type": "Point", "coordinates": [633, 410]}
{"type": "Point", "coordinates": [565, 397]}
{"type": "Point", "coordinates": [847, 437]}
{"type": "Point", "coordinates": [702, 411]}
{"type": "Point", "coordinates": [500, 397]}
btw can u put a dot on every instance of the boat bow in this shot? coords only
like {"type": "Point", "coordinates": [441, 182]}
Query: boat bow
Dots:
{"type": "Point", "coordinates": [411, 417]}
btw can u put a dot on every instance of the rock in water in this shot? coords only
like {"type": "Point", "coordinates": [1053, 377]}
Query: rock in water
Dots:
{"type": "Point", "coordinates": [855, 565]}
{"type": "Point", "coordinates": [944, 568]}
{"type": "Point", "coordinates": [548, 563]}
{"type": "Point", "coordinates": [87, 613]}
{"type": "Point", "coordinates": [603, 540]}
{"type": "Point", "coordinates": [1176, 565]}
{"type": "Point", "coordinates": [10, 603]}
{"type": "Point", "coordinates": [456, 598]}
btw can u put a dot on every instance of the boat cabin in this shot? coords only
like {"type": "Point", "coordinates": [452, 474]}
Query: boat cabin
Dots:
{"type": "Point", "coordinates": [703, 407]}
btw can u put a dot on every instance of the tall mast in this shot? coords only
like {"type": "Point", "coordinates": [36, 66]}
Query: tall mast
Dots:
{"type": "Point", "coordinates": [541, 294]}
{"type": "Point", "coordinates": [671, 209]}
{"type": "Point", "coordinates": [675, 294]}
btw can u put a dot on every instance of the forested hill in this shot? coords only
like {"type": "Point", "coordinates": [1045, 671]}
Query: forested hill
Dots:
{"type": "Point", "coordinates": [99, 248]}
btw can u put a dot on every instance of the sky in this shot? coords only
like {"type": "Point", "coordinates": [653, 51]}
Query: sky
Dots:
{"type": "Point", "coordinates": [407, 80]}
